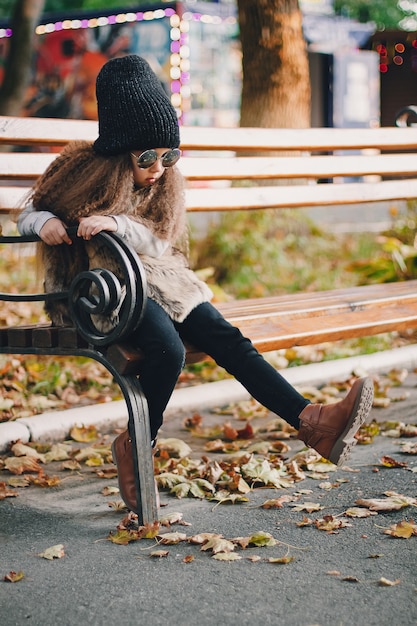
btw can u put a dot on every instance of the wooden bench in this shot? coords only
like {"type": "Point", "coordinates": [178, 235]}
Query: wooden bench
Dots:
{"type": "Point", "coordinates": [383, 162]}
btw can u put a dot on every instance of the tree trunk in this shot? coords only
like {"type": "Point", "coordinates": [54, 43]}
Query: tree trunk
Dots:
{"type": "Point", "coordinates": [18, 63]}
{"type": "Point", "coordinates": [276, 79]}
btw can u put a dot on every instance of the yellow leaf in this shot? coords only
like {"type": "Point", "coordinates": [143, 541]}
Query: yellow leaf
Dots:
{"type": "Point", "coordinates": [123, 537]}
{"type": "Point", "coordinates": [14, 577]}
{"type": "Point", "coordinates": [84, 434]}
{"type": "Point", "coordinates": [262, 539]}
{"type": "Point", "coordinates": [403, 529]}
{"type": "Point", "coordinates": [94, 461]}
{"type": "Point", "coordinates": [58, 452]}
{"type": "Point", "coordinates": [54, 552]}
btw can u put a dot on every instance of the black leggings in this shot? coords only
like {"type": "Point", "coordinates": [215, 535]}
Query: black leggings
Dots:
{"type": "Point", "coordinates": [161, 341]}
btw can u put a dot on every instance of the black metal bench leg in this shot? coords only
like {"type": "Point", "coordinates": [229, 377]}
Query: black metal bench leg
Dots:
{"type": "Point", "coordinates": [137, 407]}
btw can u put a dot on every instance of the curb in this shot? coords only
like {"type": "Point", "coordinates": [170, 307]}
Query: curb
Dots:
{"type": "Point", "coordinates": [56, 425]}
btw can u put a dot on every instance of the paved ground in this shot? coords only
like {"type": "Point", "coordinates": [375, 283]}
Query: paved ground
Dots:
{"type": "Point", "coordinates": [334, 579]}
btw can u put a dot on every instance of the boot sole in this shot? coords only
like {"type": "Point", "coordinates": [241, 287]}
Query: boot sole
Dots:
{"type": "Point", "coordinates": [360, 412]}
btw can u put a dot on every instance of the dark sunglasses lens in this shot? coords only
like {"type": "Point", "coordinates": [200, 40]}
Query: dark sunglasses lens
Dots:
{"type": "Point", "coordinates": [170, 158]}
{"type": "Point", "coordinates": [147, 159]}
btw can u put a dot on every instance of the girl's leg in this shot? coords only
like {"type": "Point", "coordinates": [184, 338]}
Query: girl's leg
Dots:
{"type": "Point", "coordinates": [330, 429]}
{"type": "Point", "coordinates": [164, 359]}
{"type": "Point", "coordinates": [206, 328]}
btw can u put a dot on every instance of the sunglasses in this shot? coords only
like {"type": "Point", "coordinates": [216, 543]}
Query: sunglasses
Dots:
{"type": "Point", "coordinates": [150, 157]}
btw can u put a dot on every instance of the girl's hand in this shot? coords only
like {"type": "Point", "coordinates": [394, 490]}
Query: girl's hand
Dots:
{"type": "Point", "coordinates": [53, 232]}
{"type": "Point", "coordinates": [94, 224]}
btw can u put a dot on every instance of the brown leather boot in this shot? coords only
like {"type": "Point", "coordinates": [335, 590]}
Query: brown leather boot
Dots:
{"type": "Point", "coordinates": [331, 429]}
{"type": "Point", "coordinates": [122, 453]}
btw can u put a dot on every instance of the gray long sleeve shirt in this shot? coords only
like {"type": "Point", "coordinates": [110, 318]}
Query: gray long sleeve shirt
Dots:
{"type": "Point", "coordinates": [142, 240]}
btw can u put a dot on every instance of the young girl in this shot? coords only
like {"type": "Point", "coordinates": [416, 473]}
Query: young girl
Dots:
{"type": "Point", "coordinates": [127, 182]}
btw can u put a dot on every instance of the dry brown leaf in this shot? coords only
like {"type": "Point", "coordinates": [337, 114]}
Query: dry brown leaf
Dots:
{"type": "Point", "coordinates": [283, 560]}
{"type": "Point", "coordinates": [22, 464]}
{"type": "Point", "coordinates": [159, 554]}
{"type": "Point", "coordinates": [20, 449]}
{"type": "Point", "coordinates": [5, 492]}
{"type": "Point", "coordinates": [218, 544]}
{"type": "Point", "coordinates": [171, 538]}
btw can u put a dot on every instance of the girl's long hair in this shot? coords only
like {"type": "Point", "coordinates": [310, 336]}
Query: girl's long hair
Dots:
{"type": "Point", "coordinates": [80, 182]}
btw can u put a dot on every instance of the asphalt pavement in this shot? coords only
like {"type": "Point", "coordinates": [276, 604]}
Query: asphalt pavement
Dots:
{"type": "Point", "coordinates": [355, 574]}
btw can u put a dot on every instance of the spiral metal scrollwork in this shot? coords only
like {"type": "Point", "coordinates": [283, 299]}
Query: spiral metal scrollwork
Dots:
{"type": "Point", "coordinates": [103, 307]}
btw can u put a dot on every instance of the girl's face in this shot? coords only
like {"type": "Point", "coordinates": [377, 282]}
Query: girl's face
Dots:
{"type": "Point", "coordinates": [145, 177]}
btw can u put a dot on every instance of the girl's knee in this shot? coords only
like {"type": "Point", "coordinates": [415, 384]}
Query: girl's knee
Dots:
{"type": "Point", "coordinates": [166, 354]}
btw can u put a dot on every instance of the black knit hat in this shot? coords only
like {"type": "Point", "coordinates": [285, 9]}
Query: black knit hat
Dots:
{"type": "Point", "coordinates": [134, 112]}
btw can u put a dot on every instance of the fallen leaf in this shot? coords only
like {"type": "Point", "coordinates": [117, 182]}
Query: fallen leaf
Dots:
{"type": "Point", "coordinates": [5, 492]}
{"type": "Point", "coordinates": [22, 464]}
{"type": "Point", "coordinates": [123, 537]}
{"type": "Point", "coordinates": [54, 552]}
{"type": "Point", "coordinates": [391, 503]}
{"type": "Point", "coordinates": [356, 511]}
{"type": "Point", "coordinates": [110, 491]}
{"type": "Point", "coordinates": [403, 529]}
{"type": "Point", "coordinates": [276, 503]}
{"type": "Point", "coordinates": [116, 505]}
{"type": "Point", "coordinates": [158, 554]}
{"type": "Point", "coordinates": [226, 556]}
{"type": "Point", "coordinates": [14, 577]}
{"type": "Point", "coordinates": [20, 449]}
{"type": "Point", "coordinates": [384, 582]}
{"type": "Point", "coordinates": [84, 434]}
{"type": "Point", "coordinates": [307, 506]}
{"type": "Point", "coordinates": [261, 539]}
{"type": "Point", "coordinates": [172, 538]}
{"type": "Point", "coordinates": [188, 558]}
{"type": "Point", "coordinates": [388, 461]}
{"type": "Point", "coordinates": [218, 544]}
{"type": "Point", "coordinates": [283, 560]}
{"type": "Point", "coordinates": [331, 524]}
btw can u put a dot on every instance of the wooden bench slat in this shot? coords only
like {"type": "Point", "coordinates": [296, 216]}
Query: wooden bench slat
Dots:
{"type": "Point", "coordinates": [309, 303]}
{"type": "Point", "coordinates": [244, 198]}
{"type": "Point", "coordinates": [29, 166]}
{"type": "Point", "coordinates": [55, 132]}
{"type": "Point", "coordinates": [316, 167]}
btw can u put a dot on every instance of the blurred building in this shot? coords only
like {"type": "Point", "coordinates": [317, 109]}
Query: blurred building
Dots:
{"type": "Point", "coordinates": [192, 46]}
